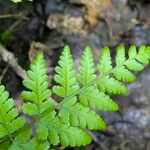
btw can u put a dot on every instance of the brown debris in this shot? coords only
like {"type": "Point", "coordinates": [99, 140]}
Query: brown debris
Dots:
{"type": "Point", "coordinates": [35, 47]}
{"type": "Point", "coordinates": [9, 57]}
{"type": "Point", "coordinates": [66, 22]}
{"type": "Point", "coordinates": [95, 9]}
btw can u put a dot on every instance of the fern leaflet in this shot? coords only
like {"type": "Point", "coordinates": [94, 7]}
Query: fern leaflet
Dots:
{"type": "Point", "coordinates": [77, 115]}
{"type": "Point", "coordinates": [91, 96]}
{"type": "Point", "coordinates": [38, 98]}
{"type": "Point", "coordinates": [9, 116]}
{"type": "Point", "coordinates": [65, 76]}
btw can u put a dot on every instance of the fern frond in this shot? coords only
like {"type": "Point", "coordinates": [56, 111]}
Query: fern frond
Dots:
{"type": "Point", "coordinates": [77, 115]}
{"type": "Point", "coordinates": [35, 143]}
{"type": "Point", "coordinates": [81, 93]}
{"type": "Point", "coordinates": [143, 55]}
{"type": "Point", "coordinates": [21, 140]}
{"type": "Point", "coordinates": [134, 62]}
{"type": "Point", "coordinates": [38, 99]}
{"type": "Point", "coordinates": [107, 83]}
{"type": "Point", "coordinates": [86, 68]}
{"type": "Point", "coordinates": [91, 95]}
{"type": "Point", "coordinates": [123, 68]}
{"type": "Point", "coordinates": [95, 99]}
{"type": "Point", "coordinates": [45, 127]}
{"type": "Point", "coordinates": [105, 64]}
{"type": "Point", "coordinates": [38, 96]}
{"type": "Point", "coordinates": [121, 73]}
{"type": "Point", "coordinates": [65, 75]}
{"type": "Point", "coordinates": [111, 85]}
{"type": "Point", "coordinates": [61, 133]}
{"type": "Point", "coordinates": [9, 116]}
{"type": "Point", "coordinates": [135, 59]}
{"type": "Point", "coordinates": [120, 55]}
{"type": "Point", "coordinates": [24, 142]}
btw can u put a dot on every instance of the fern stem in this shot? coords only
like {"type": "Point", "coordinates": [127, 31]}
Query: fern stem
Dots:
{"type": "Point", "coordinates": [20, 15]}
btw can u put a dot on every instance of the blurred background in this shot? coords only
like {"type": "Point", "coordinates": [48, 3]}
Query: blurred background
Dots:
{"type": "Point", "coordinates": [27, 27]}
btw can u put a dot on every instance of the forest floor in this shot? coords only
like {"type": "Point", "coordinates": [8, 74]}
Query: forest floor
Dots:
{"type": "Point", "coordinates": [26, 28]}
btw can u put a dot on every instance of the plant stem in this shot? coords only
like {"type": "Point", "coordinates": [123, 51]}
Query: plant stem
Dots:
{"type": "Point", "coordinates": [20, 15]}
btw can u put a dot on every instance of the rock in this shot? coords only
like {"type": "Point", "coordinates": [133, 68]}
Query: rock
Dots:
{"type": "Point", "coordinates": [137, 35]}
{"type": "Point", "coordinates": [65, 23]}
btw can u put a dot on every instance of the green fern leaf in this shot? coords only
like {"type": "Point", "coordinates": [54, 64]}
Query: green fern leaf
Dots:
{"type": "Point", "coordinates": [143, 54]}
{"type": "Point", "coordinates": [123, 68]}
{"type": "Point", "coordinates": [31, 144]}
{"type": "Point", "coordinates": [91, 95]}
{"type": "Point", "coordinates": [68, 135]}
{"type": "Point", "coordinates": [5, 145]}
{"type": "Point", "coordinates": [95, 99]}
{"type": "Point", "coordinates": [9, 116]}
{"type": "Point", "coordinates": [86, 68]}
{"type": "Point", "coordinates": [132, 52]}
{"type": "Point", "coordinates": [104, 65]}
{"type": "Point", "coordinates": [123, 65]}
{"type": "Point", "coordinates": [38, 98]}
{"type": "Point", "coordinates": [65, 75]}
{"type": "Point", "coordinates": [121, 73]}
{"type": "Point", "coordinates": [120, 56]}
{"type": "Point", "coordinates": [21, 140]}
{"type": "Point", "coordinates": [61, 133]}
{"type": "Point", "coordinates": [133, 65]}
{"type": "Point", "coordinates": [111, 85]}
{"type": "Point", "coordinates": [107, 83]}
{"type": "Point", "coordinates": [35, 143]}
{"type": "Point", "coordinates": [77, 115]}
{"type": "Point", "coordinates": [135, 59]}
{"type": "Point", "coordinates": [43, 131]}
{"type": "Point", "coordinates": [65, 122]}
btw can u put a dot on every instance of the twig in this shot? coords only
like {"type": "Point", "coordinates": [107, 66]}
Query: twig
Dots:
{"type": "Point", "coordinates": [15, 24]}
{"type": "Point", "coordinates": [12, 61]}
{"type": "Point", "coordinates": [20, 15]}
{"type": "Point", "coordinates": [3, 73]}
